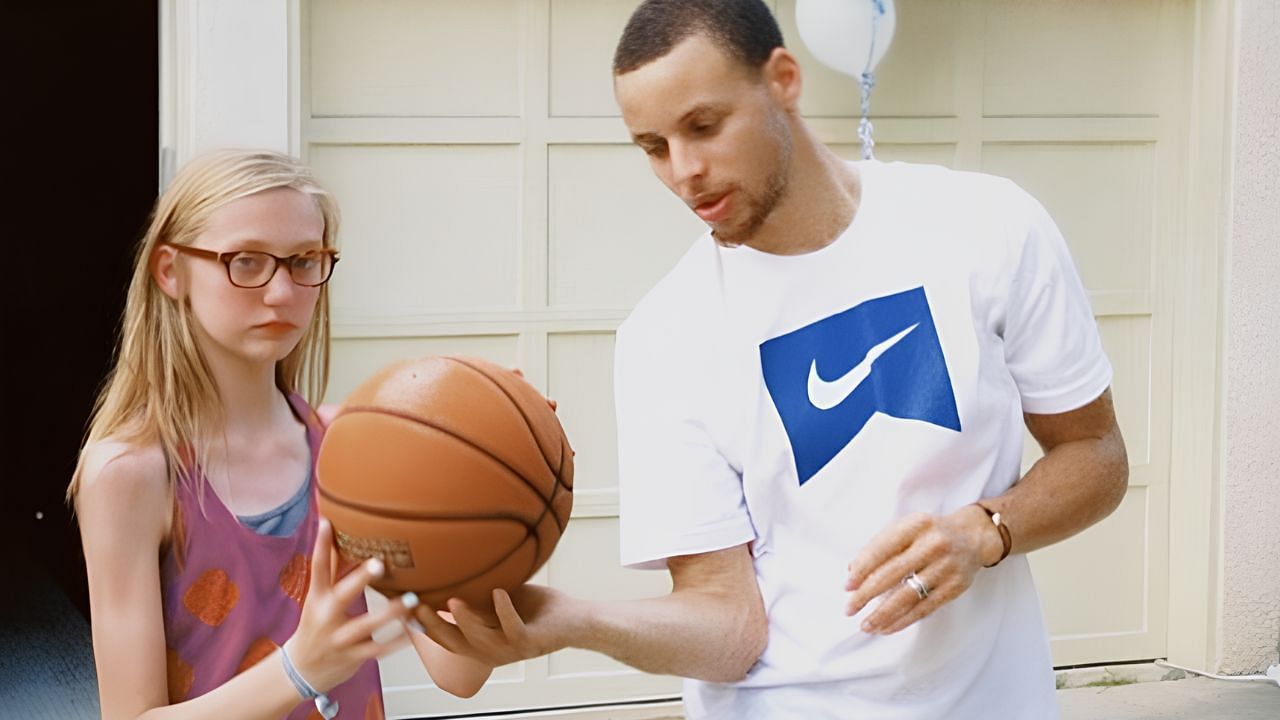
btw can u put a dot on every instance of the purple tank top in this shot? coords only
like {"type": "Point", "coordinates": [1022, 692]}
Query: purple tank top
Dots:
{"type": "Point", "coordinates": [237, 595]}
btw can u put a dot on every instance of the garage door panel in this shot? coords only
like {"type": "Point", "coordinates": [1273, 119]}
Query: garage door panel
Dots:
{"type": "Point", "coordinates": [410, 66]}
{"type": "Point", "coordinates": [583, 36]}
{"type": "Point", "coordinates": [1103, 197]}
{"type": "Point", "coordinates": [426, 228]}
{"type": "Point", "coordinates": [581, 381]}
{"type": "Point", "coordinates": [1082, 57]}
{"type": "Point", "coordinates": [614, 229]}
{"type": "Point", "coordinates": [1109, 560]}
{"type": "Point", "coordinates": [352, 360]}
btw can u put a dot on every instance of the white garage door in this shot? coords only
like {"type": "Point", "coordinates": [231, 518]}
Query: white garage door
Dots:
{"type": "Point", "coordinates": [494, 207]}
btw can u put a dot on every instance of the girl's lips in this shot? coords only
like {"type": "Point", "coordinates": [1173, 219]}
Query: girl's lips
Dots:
{"type": "Point", "coordinates": [715, 210]}
{"type": "Point", "coordinates": [277, 327]}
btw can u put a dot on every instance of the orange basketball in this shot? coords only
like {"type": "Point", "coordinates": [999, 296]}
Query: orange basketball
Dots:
{"type": "Point", "coordinates": [453, 471]}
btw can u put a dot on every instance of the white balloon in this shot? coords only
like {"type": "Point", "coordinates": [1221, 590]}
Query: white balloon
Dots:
{"type": "Point", "coordinates": [839, 32]}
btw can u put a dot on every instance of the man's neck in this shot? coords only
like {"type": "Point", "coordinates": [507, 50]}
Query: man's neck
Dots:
{"type": "Point", "coordinates": [823, 195]}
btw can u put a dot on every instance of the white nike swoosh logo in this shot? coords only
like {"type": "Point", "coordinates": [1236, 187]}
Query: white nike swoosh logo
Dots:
{"type": "Point", "coordinates": [825, 395]}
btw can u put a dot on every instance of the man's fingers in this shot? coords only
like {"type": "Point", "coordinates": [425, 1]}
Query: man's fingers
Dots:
{"type": "Point", "coordinates": [508, 618]}
{"type": "Point", "coordinates": [884, 578]}
{"type": "Point", "coordinates": [896, 603]}
{"type": "Point", "coordinates": [444, 633]}
{"type": "Point", "coordinates": [888, 543]}
{"type": "Point", "coordinates": [472, 624]}
{"type": "Point", "coordinates": [920, 610]}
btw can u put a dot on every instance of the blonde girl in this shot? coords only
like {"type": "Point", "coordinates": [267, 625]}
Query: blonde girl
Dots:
{"type": "Point", "coordinates": [213, 585]}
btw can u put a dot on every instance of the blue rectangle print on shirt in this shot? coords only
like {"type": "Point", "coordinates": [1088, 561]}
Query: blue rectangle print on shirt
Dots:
{"type": "Point", "coordinates": [828, 378]}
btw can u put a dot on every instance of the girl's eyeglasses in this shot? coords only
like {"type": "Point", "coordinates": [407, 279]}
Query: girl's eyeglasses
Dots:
{"type": "Point", "coordinates": [252, 269]}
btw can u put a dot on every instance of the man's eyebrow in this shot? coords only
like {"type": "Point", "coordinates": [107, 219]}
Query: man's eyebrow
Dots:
{"type": "Point", "coordinates": [653, 137]}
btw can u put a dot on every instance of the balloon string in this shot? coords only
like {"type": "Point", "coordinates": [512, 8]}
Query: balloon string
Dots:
{"type": "Point", "coordinates": [868, 83]}
{"type": "Point", "coordinates": [864, 127]}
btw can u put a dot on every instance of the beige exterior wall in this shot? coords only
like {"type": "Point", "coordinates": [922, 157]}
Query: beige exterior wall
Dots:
{"type": "Point", "coordinates": [1250, 608]}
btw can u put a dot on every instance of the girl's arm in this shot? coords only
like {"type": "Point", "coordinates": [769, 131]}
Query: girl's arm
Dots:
{"type": "Point", "coordinates": [123, 505]}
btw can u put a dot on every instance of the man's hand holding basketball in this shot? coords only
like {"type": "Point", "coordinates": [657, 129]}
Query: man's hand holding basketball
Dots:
{"type": "Point", "coordinates": [919, 564]}
{"type": "Point", "coordinates": [542, 625]}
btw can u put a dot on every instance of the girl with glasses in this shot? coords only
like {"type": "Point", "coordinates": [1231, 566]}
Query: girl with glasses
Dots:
{"type": "Point", "coordinates": [213, 584]}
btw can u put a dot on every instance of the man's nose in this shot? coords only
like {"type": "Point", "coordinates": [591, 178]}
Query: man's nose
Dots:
{"type": "Point", "coordinates": [687, 163]}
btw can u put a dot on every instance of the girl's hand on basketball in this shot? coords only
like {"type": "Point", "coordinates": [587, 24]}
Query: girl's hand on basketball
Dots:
{"type": "Point", "coordinates": [512, 635]}
{"type": "Point", "coordinates": [329, 644]}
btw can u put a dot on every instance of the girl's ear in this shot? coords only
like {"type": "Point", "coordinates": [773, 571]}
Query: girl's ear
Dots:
{"type": "Point", "coordinates": [164, 269]}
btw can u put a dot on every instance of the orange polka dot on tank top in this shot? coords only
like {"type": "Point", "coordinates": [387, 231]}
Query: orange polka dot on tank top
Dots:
{"type": "Point", "coordinates": [180, 676]}
{"type": "Point", "coordinates": [258, 650]}
{"type": "Point", "coordinates": [211, 597]}
{"type": "Point", "coordinates": [373, 710]}
{"type": "Point", "coordinates": [295, 578]}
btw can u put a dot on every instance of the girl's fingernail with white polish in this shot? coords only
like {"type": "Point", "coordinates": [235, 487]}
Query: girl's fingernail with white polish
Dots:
{"type": "Point", "coordinates": [410, 600]}
{"type": "Point", "coordinates": [375, 566]}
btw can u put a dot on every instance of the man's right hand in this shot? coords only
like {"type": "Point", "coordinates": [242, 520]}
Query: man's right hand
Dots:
{"type": "Point", "coordinates": [532, 621]}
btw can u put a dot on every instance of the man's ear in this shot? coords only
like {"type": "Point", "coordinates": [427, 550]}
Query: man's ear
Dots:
{"type": "Point", "coordinates": [782, 75]}
{"type": "Point", "coordinates": [164, 270]}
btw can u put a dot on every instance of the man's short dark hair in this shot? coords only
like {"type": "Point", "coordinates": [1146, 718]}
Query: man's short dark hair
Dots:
{"type": "Point", "coordinates": [745, 29]}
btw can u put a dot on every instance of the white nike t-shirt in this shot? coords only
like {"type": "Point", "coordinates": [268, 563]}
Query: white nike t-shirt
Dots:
{"type": "Point", "coordinates": [806, 402]}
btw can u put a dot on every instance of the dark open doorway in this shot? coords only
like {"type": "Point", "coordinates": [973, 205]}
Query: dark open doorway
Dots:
{"type": "Point", "coordinates": [82, 157]}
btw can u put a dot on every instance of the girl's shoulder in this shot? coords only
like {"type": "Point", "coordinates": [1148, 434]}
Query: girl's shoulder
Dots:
{"type": "Point", "coordinates": [117, 462]}
{"type": "Point", "coordinates": [125, 481]}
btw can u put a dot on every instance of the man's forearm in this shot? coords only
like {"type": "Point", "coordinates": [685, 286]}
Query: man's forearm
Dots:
{"type": "Point", "coordinates": [1073, 486]}
{"type": "Point", "coordinates": [689, 633]}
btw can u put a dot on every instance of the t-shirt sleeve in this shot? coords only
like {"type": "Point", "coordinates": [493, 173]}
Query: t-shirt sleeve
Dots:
{"type": "Point", "coordinates": [678, 494]}
{"type": "Point", "coordinates": [1051, 340]}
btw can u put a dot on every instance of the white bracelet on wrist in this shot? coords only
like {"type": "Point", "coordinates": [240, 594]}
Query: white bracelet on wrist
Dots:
{"type": "Point", "coordinates": [327, 707]}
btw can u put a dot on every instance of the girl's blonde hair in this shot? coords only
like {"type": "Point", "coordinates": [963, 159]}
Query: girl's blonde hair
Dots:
{"type": "Point", "coordinates": [161, 390]}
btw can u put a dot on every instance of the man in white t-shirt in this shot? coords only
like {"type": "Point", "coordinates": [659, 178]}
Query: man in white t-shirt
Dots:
{"type": "Point", "coordinates": [821, 413]}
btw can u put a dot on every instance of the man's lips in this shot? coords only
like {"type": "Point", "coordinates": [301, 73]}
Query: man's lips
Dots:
{"type": "Point", "coordinates": [713, 209]}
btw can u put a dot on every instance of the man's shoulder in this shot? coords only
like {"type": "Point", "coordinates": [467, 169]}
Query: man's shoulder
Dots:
{"type": "Point", "coordinates": [953, 183]}
{"type": "Point", "coordinates": [681, 296]}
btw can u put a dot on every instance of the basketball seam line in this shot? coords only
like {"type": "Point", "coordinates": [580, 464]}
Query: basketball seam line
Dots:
{"type": "Point", "coordinates": [529, 533]}
{"type": "Point", "coordinates": [415, 419]}
{"type": "Point", "coordinates": [402, 515]}
{"type": "Point", "coordinates": [516, 403]}
{"type": "Point", "coordinates": [532, 436]}
{"type": "Point", "coordinates": [529, 425]}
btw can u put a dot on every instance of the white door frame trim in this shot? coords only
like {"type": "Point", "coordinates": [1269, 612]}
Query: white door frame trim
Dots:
{"type": "Point", "coordinates": [229, 76]}
{"type": "Point", "coordinates": [1197, 461]}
